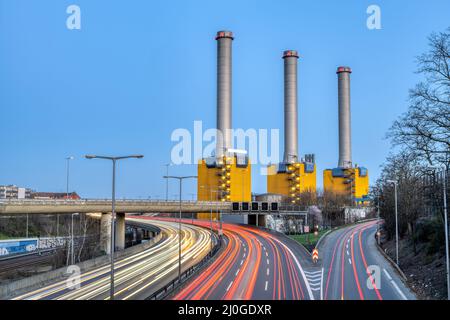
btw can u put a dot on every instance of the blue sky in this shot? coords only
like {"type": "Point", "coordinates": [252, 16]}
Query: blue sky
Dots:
{"type": "Point", "coordinates": [137, 70]}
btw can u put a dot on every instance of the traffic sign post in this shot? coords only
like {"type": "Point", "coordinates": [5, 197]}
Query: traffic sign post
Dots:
{"type": "Point", "coordinates": [315, 255]}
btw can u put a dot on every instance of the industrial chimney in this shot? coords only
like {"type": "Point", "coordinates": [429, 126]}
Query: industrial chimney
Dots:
{"type": "Point", "coordinates": [223, 143]}
{"type": "Point", "coordinates": [345, 147]}
{"type": "Point", "coordinates": [290, 107]}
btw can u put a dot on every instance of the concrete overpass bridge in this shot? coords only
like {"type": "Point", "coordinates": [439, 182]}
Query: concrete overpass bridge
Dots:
{"type": "Point", "coordinates": [32, 206]}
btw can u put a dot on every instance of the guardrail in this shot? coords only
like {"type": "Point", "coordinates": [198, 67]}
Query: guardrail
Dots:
{"type": "Point", "coordinates": [186, 275]}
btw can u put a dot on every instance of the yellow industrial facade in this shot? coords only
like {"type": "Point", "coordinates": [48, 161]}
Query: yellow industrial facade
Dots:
{"type": "Point", "coordinates": [353, 182]}
{"type": "Point", "coordinates": [291, 180]}
{"type": "Point", "coordinates": [226, 180]}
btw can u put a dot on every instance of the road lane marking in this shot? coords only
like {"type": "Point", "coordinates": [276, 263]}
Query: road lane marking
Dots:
{"type": "Point", "coordinates": [399, 291]}
{"type": "Point", "coordinates": [265, 287]}
{"type": "Point", "coordinates": [394, 284]}
{"type": "Point", "coordinates": [242, 261]}
{"type": "Point", "coordinates": [267, 261]}
{"type": "Point", "coordinates": [321, 286]}
{"type": "Point", "coordinates": [387, 274]}
{"type": "Point", "coordinates": [229, 286]}
{"type": "Point", "coordinates": [313, 272]}
{"type": "Point", "coordinates": [267, 254]}
{"type": "Point", "coordinates": [267, 271]}
{"type": "Point", "coordinates": [299, 266]}
{"type": "Point", "coordinates": [348, 253]}
{"type": "Point", "coordinates": [237, 271]}
{"type": "Point", "coordinates": [349, 261]}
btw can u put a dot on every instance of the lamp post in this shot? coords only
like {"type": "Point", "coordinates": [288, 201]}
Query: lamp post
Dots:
{"type": "Point", "coordinates": [113, 204]}
{"type": "Point", "coordinates": [167, 165]}
{"type": "Point", "coordinates": [67, 175]}
{"type": "Point", "coordinates": [395, 183]}
{"type": "Point", "coordinates": [67, 189]}
{"type": "Point", "coordinates": [378, 221]}
{"type": "Point", "coordinates": [180, 180]}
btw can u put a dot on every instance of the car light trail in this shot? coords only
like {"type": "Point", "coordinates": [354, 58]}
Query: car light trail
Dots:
{"type": "Point", "coordinates": [139, 274]}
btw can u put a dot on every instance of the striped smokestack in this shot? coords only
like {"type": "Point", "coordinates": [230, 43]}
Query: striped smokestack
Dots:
{"type": "Point", "coordinates": [224, 41]}
{"type": "Point", "coordinates": [345, 146]}
{"type": "Point", "coordinates": [290, 107]}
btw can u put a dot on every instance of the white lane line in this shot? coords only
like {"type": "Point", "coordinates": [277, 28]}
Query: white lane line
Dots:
{"type": "Point", "coordinates": [308, 288]}
{"type": "Point", "coordinates": [309, 273]}
{"type": "Point", "coordinates": [242, 261]}
{"type": "Point", "coordinates": [394, 284]}
{"type": "Point", "coordinates": [398, 290]}
{"type": "Point", "coordinates": [267, 254]}
{"type": "Point", "coordinates": [348, 253]}
{"type": "Point", "coordinates": [237, 271]}
{"type": "Point", "coordinates": [245, 249]}
{"type": "Point", "coordinates": [387, 274]}
{"type": "Point", "coordinates": [229, 286]}
{"type": "Point", "coordinates": [267, 271]}
{"type": "Point", "coordinates": [267, 261]}
{"type": "Point", "coordinates": [321, 286]}
{"type": "Point", "coordinates": [349, 261]}
{"type": "Point", "coordinates": [243, 256]}
{"type": "Point", "coordinates": [265, 287]}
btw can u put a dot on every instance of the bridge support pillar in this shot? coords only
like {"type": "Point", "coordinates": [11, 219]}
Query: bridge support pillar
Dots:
{"type": "Point", "coordinates": [120, 231]}
{"type": "Point", "coordinates": [105, 232]}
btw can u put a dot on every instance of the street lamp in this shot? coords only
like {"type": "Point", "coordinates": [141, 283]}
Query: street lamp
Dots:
{"type": "Point", "coordinates": [167, 165]}
{"type": "Point", "coordinates": [378, 221]}
{"type": "Point", "coordinates": [395, 183]}
{"type": "Point", "coordinates": [67, 176]}
{"type": "Point", "coordinates": [444, 186]}
{"type": "Point", "coordinates": [180, 180]}
{"type": "Point", "coordinates": [113, 202]}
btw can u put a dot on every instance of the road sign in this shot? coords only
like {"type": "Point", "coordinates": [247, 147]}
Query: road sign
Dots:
{"type": "Point", "coordinates": [306, 229]}
{"type": "Point", "coordinates": [315, 255]}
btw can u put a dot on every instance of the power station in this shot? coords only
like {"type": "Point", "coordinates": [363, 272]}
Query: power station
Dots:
{"type": "Point", "coordinates": [346, 179]}
{"type": "Point", "coordinates": [226, 176]}
{"type": "Point", "coordinates": [292, 177]}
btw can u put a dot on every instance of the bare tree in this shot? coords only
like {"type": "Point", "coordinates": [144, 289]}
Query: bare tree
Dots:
{"type": "Point", "coordinates": [424, 130]}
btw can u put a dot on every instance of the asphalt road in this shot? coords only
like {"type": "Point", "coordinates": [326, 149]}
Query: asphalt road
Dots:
{"type": "Point", "coordinates": [254, 265]}
{"type": "Point", "coordinates": [354, 269]}
{"type": "Point", "coordinates": [139, 275]}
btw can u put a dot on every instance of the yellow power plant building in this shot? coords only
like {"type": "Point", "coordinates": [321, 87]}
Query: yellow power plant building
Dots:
{"type": "Point", "coordinates": [291, 180]}
{"type": "Point", "coordinates": [292, 177]}
{"type": "Point", "coordinates": [353, 182]}
{"type": "Point", "coordinates": [226, 176]}
{"type": "Point", "coordinates": [229, 180]}
{"type": "Point", "coordinates": [346, 179]}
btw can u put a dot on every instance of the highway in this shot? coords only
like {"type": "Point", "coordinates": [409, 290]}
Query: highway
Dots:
{"type": "Point", "coordinates": [254, 265]}
{"type": "Point", "coordinates": [139, 275]}
{"type": "Point", "coordinates": [345, 255]}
